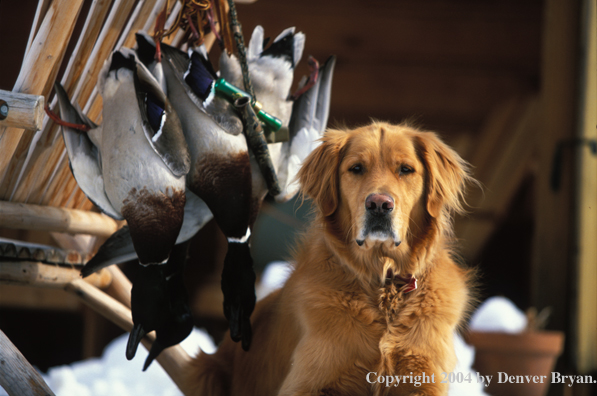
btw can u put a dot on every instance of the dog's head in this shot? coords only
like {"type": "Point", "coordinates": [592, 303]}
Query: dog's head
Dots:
{"type": "Point", "coordinates": [385, 188]}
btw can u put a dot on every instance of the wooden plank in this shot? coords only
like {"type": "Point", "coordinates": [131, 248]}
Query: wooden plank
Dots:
{"type": "Point", "coordinates": [501, 174]}
{"type": "Point", "coordinates": [38, 67]}
{"type": "Point", "coordinates": [18, 377]}
{"type": "Point", "coordinates": [510, 169]}
{"type": "Point", "coordinates": [44, 218]}
{"type": "Point", "coordinates": [498, 127]}
{"type": "Point", "coordinates": [19, 110]}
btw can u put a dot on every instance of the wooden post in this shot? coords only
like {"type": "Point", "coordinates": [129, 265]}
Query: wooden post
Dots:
{"type": "Point", "coordinates": [552, 239]}
{"type": "Point", "coordinates": [584, 336]}
{"type": "Point", "coordinates": [46, 218]}
{"type": "Point", "coordinates": [17, 375]}
{"type": "Point", "coordinates": [21, 110]}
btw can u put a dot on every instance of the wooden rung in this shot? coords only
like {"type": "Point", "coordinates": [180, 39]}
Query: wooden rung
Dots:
{"type": "Point", "coordinates": [121, 286]}
{"type": "Point", "coordinates": [18, 110]}
{"type": "Point", "coordinates": [46, 218]}
{"type": "Point", "coordinates": [46, 275]}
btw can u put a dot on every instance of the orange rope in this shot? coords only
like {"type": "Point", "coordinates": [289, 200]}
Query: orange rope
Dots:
{"type": "Point", "coordinates": [60, 121]}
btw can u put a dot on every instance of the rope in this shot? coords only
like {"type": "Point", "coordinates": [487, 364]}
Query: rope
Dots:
{"type": "Point", "coordinates": [60, 121]}
{"type": "Point", "coordinates": [194, 14]}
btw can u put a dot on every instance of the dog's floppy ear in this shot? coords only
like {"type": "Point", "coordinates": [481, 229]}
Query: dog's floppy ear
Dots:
{"type": "Point", "coordinates": [319, 174]}
{"type": "Point", "coordinates": [447, 175]}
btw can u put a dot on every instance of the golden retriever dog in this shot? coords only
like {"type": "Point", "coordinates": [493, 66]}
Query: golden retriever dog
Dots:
{"type": "Point", "coordinates": [375, 296]}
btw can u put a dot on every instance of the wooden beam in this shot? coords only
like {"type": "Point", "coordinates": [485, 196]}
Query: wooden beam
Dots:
{"type": "Point", "coordinates": [18, 110]}
{"type": "Point", "coordinates": [45, 218]}
{"type": "Point", "coordinates": [17, 375]}
{"type": "Point", "coordinates": [121, 287]}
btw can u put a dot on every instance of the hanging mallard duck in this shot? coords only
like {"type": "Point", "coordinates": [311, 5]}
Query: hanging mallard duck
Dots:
{"type": "Point", "coordinates": [224, 119]}
{"type": "Point", "coordinates": [308, 121]}
{"type": "Point", "coordinates": [133, 166]}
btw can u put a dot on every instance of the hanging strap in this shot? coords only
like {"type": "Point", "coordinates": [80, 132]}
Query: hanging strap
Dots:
{"type": "Point", "coordinates": [242, 52]}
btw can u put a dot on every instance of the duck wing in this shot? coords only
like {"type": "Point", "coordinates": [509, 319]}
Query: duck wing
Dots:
{"type": "Point", "coordinates": [84, 156]}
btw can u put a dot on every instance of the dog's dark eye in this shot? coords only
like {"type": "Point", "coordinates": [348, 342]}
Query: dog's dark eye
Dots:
{"type": "Point", "coordinates": [357, 169]}
{"type": "Point", "coordinates": [405, 170]}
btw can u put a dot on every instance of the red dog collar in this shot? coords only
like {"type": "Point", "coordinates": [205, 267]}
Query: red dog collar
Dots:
{"type": "Point", "coordinates": [409, 282]}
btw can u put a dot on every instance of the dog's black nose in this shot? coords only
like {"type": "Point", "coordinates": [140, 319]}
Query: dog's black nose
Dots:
{"type": "Point", "coordinates": [379, 203]}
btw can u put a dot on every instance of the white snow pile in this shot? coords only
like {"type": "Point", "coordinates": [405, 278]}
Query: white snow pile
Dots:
{"type": "Point", "coordinates": [113, 375]}
{"type": "Point", "coordinates": [498, 314]}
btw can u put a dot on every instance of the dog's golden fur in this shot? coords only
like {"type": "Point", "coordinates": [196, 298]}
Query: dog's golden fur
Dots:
{"type": "Point", "coordinates": [341, 314]}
